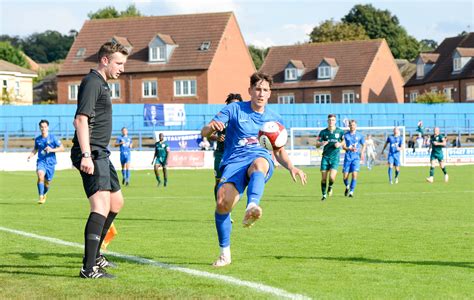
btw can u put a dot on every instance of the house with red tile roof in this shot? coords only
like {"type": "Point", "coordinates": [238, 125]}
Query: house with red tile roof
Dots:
{"type": "Point", "coordinates": [194, 58]}
{"type": "Point", "coordinates": [449, 69]}
{"type": "Point", "coordinates": [334, 72]}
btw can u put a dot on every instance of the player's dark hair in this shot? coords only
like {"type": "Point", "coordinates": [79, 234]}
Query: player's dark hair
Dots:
{"type": "Point", "coordinates": [232, 96]}
{"type": "Point", "coordinates": [43, 121]}
{"type": "Point", "coordinates": [110, 48]}
{"type": "Point", "coordinates": [259, 76]}
{"type": "Point", "coordinates": [352, 121]}
{"type": "Point", "coordinates": [331, 116]}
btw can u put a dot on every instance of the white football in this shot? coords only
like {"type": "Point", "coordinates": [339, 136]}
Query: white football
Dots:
{"type": "Point", "coordinates": [272, 136]}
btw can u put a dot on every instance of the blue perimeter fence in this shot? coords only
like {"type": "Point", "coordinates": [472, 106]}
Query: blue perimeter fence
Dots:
{"type": "Point", "coordinates": [22, 121]}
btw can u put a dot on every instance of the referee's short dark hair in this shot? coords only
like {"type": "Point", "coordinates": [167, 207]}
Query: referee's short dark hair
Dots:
{"type": "Point", "coordinates": [43, 121]}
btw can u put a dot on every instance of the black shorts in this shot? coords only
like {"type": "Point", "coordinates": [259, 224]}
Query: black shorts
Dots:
{"type": "Point", "coordinates": [104, 178]}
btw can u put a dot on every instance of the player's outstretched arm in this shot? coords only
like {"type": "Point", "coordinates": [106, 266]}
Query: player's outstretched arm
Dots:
{"type": "Point", "coordinates": [33, 153]}
{"type": "Point", "coordinates": [212, 127]}
{"type": "Point", "coordinates": [282, 157]}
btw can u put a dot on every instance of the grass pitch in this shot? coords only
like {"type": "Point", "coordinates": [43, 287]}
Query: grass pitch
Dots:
{"type": "Point", "coordinates": [410, 240]}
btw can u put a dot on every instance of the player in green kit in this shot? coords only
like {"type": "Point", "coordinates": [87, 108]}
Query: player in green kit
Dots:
{"type": "Point", "coordinates": [161, 159]}
{"type": "Point", "coordinates": [219, 137]}
{"type": "Point", "coordinates": [331, 139]}
{"type": "Point", "coordinates": [437, 142]}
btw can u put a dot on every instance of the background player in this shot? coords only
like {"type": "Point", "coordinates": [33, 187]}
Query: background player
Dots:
{"type": "Point", "coordinates": [437, 143]}
{"type": "Point", "coordinates": [395, 142]}
{"type": "Point", "coordinates": [126, 144]}
{"type": "Point", "coordinates": [245, 162]}
{"type": "Point", "coordinates": [371, 153]}
{"type": "Point", "coordinates": [353, 141]}
{"type": "Point", "coordinates": [46, 145]}
{"type": "Point", "coordinates": [219, 137]}
{"type": "Point", "coordinates": [161, 159]}
{"type": "Point", "coordinates": [331, 139]}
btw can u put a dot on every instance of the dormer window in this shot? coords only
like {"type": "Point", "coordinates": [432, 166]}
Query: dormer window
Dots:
{"type": "Point", "coordinates": [420, 70]}
{"type": "Point", "coordinates": [327, 69]}
{"type": "Point", "coordinates": [158, 53]}
{"type": "Point", "coordinates": [160, 48]}
{"type": "Point", "coordinates": [290, 74]}
{"type": "Point", "coordinates": [457, 64]}
{"type": "Point", "coordinates": [324, 72]}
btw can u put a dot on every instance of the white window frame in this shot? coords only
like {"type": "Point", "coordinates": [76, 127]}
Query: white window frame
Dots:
{"type": "Point", "coordinates": [447, 91]}
{"type": "Point", "coordinates": [348, 97]}
{"type": "Point", "coordinates": [322, 98]}
{"type": "Point", "coordinates": [17, 88]}
{"type": "Point", "coordinates": [158, 53]}
{"type": "Point", "coordinates": [185, 87]}
{"type": "Point", "coordinates": [291, 74]}
{"type": "Point", "coordinates": [413, 96]}
{"type": "Point", "coordinates": [149, 89]}
{"type": "Point", "coordinates": [470, 92]}
{"type": "Point", "coordinates": [420, 70]}
{"type": "Point", "coordinates": [73, 91]}
{"type": "Point", "coordinates": [114, 90]}
{"type": "Point", "coordinates": [324, 72]}
{"type": "Point", "coordinates": [286, 99]}
{"type": "Point", "coordinates": [457, 65]}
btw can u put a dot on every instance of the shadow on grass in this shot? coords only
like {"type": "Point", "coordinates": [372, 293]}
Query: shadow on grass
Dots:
{"type": "Point", "coordinates": [459, 264]}
{"type": "Point", "coordinates": [150, 220]}
{"type": "Point", "coordinates": [20, 203]}
{"type": "Point", "coordinates": [38, 274]}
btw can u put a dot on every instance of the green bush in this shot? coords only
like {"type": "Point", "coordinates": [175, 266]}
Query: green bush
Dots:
{"type": "Point", "coordinates": [432, 98]}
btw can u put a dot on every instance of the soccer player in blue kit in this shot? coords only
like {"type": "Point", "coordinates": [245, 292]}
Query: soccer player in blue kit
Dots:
{"type": "Point", "coordinates": [46, 145]}
{"type": "Point", "coordinates": [354, 144]}
{"type": "Point", "coordinates": [245, 163]}
{"type": "Point", "coordinates": [395, 142]}
{"type": "Point", "coordinates": [126, 144]}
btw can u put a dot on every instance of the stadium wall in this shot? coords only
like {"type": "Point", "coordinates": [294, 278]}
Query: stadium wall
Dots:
{"type": "Point", "coordinates": [452, 118]}
{"type": "Point", "coordinates": [142, 160]}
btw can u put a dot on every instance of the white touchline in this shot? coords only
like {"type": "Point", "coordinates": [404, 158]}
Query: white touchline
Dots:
{"type": "Point", "coordinates": [253, 285]}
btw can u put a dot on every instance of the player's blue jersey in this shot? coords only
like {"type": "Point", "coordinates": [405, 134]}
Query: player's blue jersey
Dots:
{"type": "Point", "coordinates": [243, 124]}
{"type": "Point", "coordinates": [127, 142]}
{"type": "Point", "coordinates": [41, 143]}
{"type": "Point", "coordinates": [353, 141]}
{"type": "Point", "coordinates": [394, 142]}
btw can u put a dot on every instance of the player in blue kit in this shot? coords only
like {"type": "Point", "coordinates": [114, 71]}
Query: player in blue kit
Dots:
{"type": "Point", "coordinates": [354, 144]}
{"type": "Point", "coordinates": [46, 145]}
{"type": "Point", "coordinates": [245, 163]}
{"type": "Point", "coordinates": [126, 144]}
{"type": "Point", "coordinates": [395, 142]}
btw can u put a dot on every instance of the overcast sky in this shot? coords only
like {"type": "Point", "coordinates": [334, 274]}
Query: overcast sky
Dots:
{"type": "Point", "coordinates": [263, 22]}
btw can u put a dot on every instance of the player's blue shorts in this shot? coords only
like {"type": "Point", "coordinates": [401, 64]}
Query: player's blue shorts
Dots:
{"type": "Point", "coordinates": [237, 174]}
{"type": "Point", "coordinates": [48, 169]}
{"type": "Point", "coordinates": [351, 165]}
{"type": "Point", "coordinates": [394, 159]}
{"type": "Point", "coordinates": [125, 157]}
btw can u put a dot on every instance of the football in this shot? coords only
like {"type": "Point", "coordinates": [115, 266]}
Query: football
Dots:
{"type": "Point", "coordinates": [272, 136]}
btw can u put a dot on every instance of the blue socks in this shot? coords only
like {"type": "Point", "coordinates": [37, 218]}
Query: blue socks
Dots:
{"type": "Point", "coordinates": [346, 182]}
{"type": "Point", "coordinates": [41, 188]}
{"type": "Point", "coordinates": [390, 174]}
{"type": "Point", "coordinates": [127, 175]}
{"type": "Point", "coordinates": [46, 189]}
{"type": "Point", "coordinates": [353, 184]}
{"type": "Point", "coordinates": [396, 173]}
{"type": "Point", "coordinates": [255, 187]}
{"type": "Point", "coordinates": [224, 228]}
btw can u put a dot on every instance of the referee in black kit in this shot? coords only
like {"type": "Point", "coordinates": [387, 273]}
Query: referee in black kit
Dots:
{"type": "Point", "coordinates": [89, 154]}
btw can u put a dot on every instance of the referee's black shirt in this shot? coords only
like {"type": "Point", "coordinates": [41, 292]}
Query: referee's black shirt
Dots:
{"type": "Point", "coordinates": [93, 100]}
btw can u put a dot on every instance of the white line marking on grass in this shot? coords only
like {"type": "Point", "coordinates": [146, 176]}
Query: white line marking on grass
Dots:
{"type": "Point", "coordinates": [228, 279]}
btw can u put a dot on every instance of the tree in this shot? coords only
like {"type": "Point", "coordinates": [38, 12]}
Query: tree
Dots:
{"type": "Point", "coordinates": [48, 46]}
{"type": "Point", "coordinates": [110, 12]}
{"type": "Point", "coordinates": [15, 41]}
{"type": "Point", "coordinates": [432, 98]}
{"type": "Point", "coordinates": [13, 55]}
{"type": "Point", "coordinates": [332, 31]}
{"type": "Point", "coordinates": [382, 24]}
{"type": "Point", "coordinates": [258, 55]}
{"type": "Point", "coordinates": [428, 45]}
